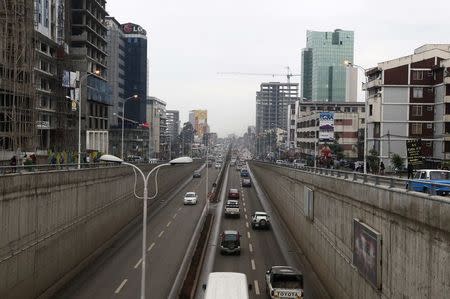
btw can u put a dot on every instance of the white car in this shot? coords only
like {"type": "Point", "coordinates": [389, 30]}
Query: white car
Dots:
{"type": "Point", "coordinates": [218, 165]}
{"type": "Point", "coordinates": [190, 198]}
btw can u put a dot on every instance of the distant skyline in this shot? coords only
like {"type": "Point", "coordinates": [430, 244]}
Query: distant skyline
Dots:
{"type": "Point", "coordinates": [191, 41]}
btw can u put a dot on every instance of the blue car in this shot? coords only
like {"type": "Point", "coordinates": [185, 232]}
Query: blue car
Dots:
{"type": "Point", "coordinates": [424, 180]}
{"type": "Point", "coordinates": [244, 173]}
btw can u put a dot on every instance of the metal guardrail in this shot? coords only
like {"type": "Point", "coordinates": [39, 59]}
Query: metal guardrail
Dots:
{"type": "Point", "coordinates": [24, 169]}
{"type": "Point", "coordinates": [373, 179]}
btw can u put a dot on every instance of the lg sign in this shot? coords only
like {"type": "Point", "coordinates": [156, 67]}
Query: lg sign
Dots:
{"type": "Point", "coordinates": [131, 28]}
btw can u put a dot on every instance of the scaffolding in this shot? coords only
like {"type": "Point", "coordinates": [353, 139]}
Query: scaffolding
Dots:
{"type": "Point", "coordinates": [17, 89]}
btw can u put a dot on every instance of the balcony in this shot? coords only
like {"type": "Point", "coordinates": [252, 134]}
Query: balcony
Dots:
{"type": "Point", "coordinates": [446, 99]}
{"type": "Point", "coordinates": [371, 84]}
{"type": "Point", "coordinates": [446, 80]}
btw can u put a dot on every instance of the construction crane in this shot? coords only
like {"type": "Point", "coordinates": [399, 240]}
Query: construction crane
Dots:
{"type": "Point", "coordinates": [288, 74]}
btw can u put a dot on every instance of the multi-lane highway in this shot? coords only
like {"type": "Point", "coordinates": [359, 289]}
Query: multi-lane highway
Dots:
{"type": "Point", "coordinates": [117, 273]}
{"type": "Point", "coordinates": [260, 249]}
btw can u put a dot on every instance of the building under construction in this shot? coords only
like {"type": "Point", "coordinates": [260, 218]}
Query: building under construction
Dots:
{"type": "Point", "coordinates": [17, 89]}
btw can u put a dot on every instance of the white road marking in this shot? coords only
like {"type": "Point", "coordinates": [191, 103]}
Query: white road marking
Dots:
{"type": "Point", "coordinates": [250, 247]}
{"type": "Point", "coordinates": [174, 216]}
{"type": "Point", "coordinates": [138, 263]}
{"type": "Point", "coordinates": [248, 235]}
{"type": "Point", "coordinates": [245, 210]}
{"type": "Point", "coordinates": [179, 209]}
{"type": "Point", "coordinates": [253, 265]}
{"type": "Point", "coordinates": [151, 246]}
{"type": "Point", "coordinates": [160, 234]}
{"type": "Point", "coordinates": [119, 288]}
{"type": "Point", "coordinates": [168, 224]}
{"type": "Point", "coordinates": [243, 203]}
{"type": "Point", "coordinates": [246, 224]}
{"type": "Point", "coordinates": [245, 216]}
{"type": "Point", "coordinates": [256, 287]}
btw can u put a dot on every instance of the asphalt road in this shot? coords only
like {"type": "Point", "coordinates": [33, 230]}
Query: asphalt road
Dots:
{"type": "Point", "coordinates": [260, 249]}
{"type": "Point", "coordinates": [117, 272]}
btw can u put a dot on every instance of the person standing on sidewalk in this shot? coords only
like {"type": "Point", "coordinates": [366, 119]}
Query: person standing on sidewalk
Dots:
{"type": "Point", "coordinates": [381, 168]}
{"type": "Point", "coordinates": [410, 171]}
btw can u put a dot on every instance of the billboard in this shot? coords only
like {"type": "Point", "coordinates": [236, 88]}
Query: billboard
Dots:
{"type": "Point", "coordinates": [200, 122]}
{"type": "Point", "coordinates": [326, 126]}
{"type": "Point", "coordinates": [367, 252]}
{"type": "Point", "coordinates": [414, 152]}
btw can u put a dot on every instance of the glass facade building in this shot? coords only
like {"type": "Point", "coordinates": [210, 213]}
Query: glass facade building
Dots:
{"type": "Point", "coordinates": [323, 69]}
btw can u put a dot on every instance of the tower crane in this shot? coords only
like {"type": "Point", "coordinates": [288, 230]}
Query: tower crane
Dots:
{"type": "Point", "coordinates": [288, 74]}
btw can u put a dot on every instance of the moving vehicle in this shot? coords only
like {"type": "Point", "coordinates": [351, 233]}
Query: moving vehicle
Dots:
{"type": "Point", "coordinates": [246, 182]}
{"type": "Point", "coordinates": [217, 165]}
{"type": "Point", "coordinates": [197, 174]}
{"type": "Point", "coordinates": [190, 198]}
{"type": "Point", "coordinates": [238, 167]}
{"type": "Point", "coordinates": [284, 282]}
{"type": "Point", "coordinates": [244, 173]}
{"type": "Point", "coordinates": [230, 242]}
{"type": "Point", "coordinates": [260, 220]}
{"type": "Point", "coordinates": [232, 208]}
{"type": "Point", "coordinates": [227, 285]}
{"type": "Point", "coordinates": [233, 193]}
{"type": "Point", "coordinates": [299, 163]}
{"type": "Point", "coordinates": [424, 180]}
{"type": "Point", "coordinates": [279, 162]}
{"type": "Point", "coordinates": [135, 159]}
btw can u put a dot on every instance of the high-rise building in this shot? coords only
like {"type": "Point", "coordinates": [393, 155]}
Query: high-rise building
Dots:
{"type": "Point", "coordinates": [272, 105]}
{"type": "Point", "coordinates": [135, 77]}
{"type": "Point", "coordinates": [173, 123]}
{"type": "Point", "coordinates": [324, 74]}
{"type": "Point", "coordinates": [156, 117]}
{"type": "Point", "coordinates": [408, 99]}
{"type": "Point", "coordinates": [88, 52]}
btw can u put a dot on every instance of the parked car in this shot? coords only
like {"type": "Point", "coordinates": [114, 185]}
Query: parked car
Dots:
{"type": "Point", "coordinates": [299, 163]}
{"type": "Point", "coordinates": [230, 242]}
{"type": "Point", "coordinates": [232, 208]}
{"type": "Point", "coordinates": [233, 193]}
{"type": "Point", "coordinates": [284, 282]}
{"type": "Point", "coordinates": [135, 159]}
{"type": "Point", "coordinates": [197, 174]}
{"type": "Point", "coordinates": [190, 198]}
{"type": "Point", "coordinates": [227, 285]}
{"type": "Point", "coordinates": [425, 178]}
{"type": "Point", "coordinates": [246, 182]}
{"type": "Point", "coordinates": [279, 162]}
{"type": "Point", "coordinates": [260, 220]}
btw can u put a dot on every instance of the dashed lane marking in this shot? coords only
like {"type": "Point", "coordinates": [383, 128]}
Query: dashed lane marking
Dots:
{"type": "Point", "coordinates": [243, 203]}
{"type": "Point", "coordinates": [151, 246]}
{"type": "Point", "coordinates": [119, 288]}
{"type": "Point", "coordinates": [160, 234]}
{"type": "Point", "coordinates": [245, 216]}
{"type": "Point", "coordinates": [138, 263]}
{"type": "Point", "coordinates": [253, 265]}
{"type": "Point", "coordinates": [256, 287]}
{"type": "Point", "coordinates": [245, 210]}
{"type": "Point", "coordinates": [250, 247]}
{"type": "Point", "coordinates": [168, 224]}
{"type": "Point", "coordinates": [179, 209]}
{"type": "Point", "coordinates": [174, 216]}
{"type": "Point", "coordinates": [246, 224]}
{"type": "Point", "coordinates": [248, 235]}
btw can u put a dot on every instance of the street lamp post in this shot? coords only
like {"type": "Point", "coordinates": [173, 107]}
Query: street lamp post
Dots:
{"type": "Point", "coordinates": [123, 115]}
{"type": "Point", "coordinates": [351, 64]}
{"type": "Point", "coordinates": [145, 178]}
{"type": "Point", "coordinates": [97, 72]}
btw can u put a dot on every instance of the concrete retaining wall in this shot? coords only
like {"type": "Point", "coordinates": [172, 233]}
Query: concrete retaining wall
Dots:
{"type": "Point", "coordinates": [51, 222]}
{"type": "Point", "coordinates": [415, 232]}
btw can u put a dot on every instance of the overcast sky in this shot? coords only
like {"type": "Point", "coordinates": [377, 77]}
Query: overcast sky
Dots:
{"type": "Point", "coordinates": [190, 41]}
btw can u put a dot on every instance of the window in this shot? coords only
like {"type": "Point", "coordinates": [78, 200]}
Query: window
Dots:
{"type": "Point", "coordinates": [428, 143]}
{"type": "Point", "coordinates": [429, 108]}
{"type": "Point", "coordinates": [429, 126]}
{"type": "Point", "coordinates": [417, 92]}
{"type": "Point", "coordinates": [417, 75]}
{"type": "Point", "coordinates": [416, 128]}
{"type": "Point", "coordinates": [370, 110]}
{"type": "Point", "coordinates": [416, 110]}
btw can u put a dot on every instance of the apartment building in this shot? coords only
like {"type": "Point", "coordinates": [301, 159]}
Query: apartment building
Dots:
{"type": "Point", "coordinates": [409, 98]}
{"type": "Point", "coordinates": [303, 133]}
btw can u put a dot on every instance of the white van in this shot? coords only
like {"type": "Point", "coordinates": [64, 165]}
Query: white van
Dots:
{"type": "Point", "coordinates": [227, 285]}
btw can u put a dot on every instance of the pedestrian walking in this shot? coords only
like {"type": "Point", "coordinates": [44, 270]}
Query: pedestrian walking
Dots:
{"type": "Point", "coordinates": [13, 163]}
{"type": "Point", "coordinates": [410, 171]}
{"type": "Point", "coordinates": [381, 168]}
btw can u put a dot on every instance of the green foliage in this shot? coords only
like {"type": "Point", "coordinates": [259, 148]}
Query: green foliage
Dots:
{"type": "Point", "coordinates": [374, 161]}
{"type": "Point", "coordinates": [397, 161]}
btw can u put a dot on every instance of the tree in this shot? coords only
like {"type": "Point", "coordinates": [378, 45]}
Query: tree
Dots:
{"type": "Point", "coordinates": [373, 160]}
{"type": "Point", "coordinates": [397, 161]}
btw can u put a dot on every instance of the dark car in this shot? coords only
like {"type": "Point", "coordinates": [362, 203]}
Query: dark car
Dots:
{"type": "Point", "coordinates": [244, 173]}
{"type": "Point", "coordinates": [197, 174]}
{"type": "Point", "coordinates": [230, 242]}
{"type": "Point", "coordinates": [246, 182]}
{"type": "Point", "coordinates": [233, 193]}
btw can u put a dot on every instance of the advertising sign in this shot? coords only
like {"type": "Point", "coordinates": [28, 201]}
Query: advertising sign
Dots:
{"type": "Point", "coordinates": [130, 28]}
{"type": "Point", "coordinates": [367, 252]}
{"type": "Point", "coordinates": [326, 126]}
{"type": "Point", "coordinates": [414, 152]}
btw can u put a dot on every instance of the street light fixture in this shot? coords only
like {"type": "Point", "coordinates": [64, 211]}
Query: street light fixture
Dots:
{"type": "Point", "coordinates": [96, 72]}
{"type": "Point", "coordinates": [114, 159]}
{"type": "Point", "coordinates": [123, 115]}
{"type": "Point", "coordinates": [351, 64]}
